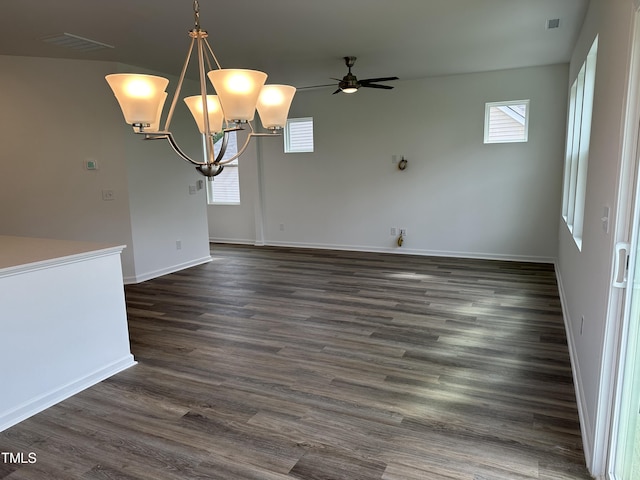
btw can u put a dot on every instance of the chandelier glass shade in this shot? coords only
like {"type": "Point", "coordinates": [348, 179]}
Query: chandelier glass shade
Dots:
{"type": "Point", "coordinates": [141, 97]}
{"type": "Point", "coordinates": [239, 93]}
{"type": "Point", "coordinates": [216, 116]}
{"type": "Point", "coordinates": [270, 105]}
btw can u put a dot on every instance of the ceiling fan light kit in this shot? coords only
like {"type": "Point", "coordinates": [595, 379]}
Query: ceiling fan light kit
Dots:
{"type": "Point", "coordinates": [239, 93]}
{"type": "Point", "coordinates": [351, 84]}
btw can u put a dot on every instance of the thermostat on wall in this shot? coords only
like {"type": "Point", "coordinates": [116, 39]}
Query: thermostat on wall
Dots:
{"type": "Point", "coordinates": [91, 165]}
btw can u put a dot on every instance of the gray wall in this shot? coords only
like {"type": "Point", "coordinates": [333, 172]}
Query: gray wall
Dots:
{"type": "Point", "coordinates": [585, 276]}
{"type": "Point", "coordinates": [55, 115]}
{"type": "Point", "coordinates": [457, 197]}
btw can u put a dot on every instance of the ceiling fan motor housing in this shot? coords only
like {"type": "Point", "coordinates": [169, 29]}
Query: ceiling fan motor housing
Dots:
{"type": "Point", "coordinates": [349, 81]}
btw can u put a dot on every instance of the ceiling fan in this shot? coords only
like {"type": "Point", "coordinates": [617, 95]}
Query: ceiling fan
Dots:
{"type": "Point", "coordinates": [350, 83]}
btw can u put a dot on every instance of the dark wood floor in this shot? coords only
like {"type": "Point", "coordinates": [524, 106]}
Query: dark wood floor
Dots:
{"type": "Point", "coordinates": [274, 363]}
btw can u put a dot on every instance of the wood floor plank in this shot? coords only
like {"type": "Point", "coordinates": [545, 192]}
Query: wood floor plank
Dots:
{"type": "Point", "coordinates": [273, 363]}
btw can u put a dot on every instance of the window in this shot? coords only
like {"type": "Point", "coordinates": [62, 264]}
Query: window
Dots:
{"type": "Point", "coordinates": [577, 148]}
{"type": "Point", "coordinates": [506, 122]}
{"type": "Point", "coordinates": [225, 188]}
{"type": "Point", "coordinates": [298, 135]}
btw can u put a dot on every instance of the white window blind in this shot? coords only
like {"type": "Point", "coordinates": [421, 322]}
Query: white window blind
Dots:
{"type": "Point", "coordinates": [225, 187]}
{"type": "Point", "coordinates": [506, 122]}
{"type": "Point", "coordinates": [298, 135]}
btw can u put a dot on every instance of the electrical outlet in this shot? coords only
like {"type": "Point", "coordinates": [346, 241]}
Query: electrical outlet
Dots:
{"type": "Point", "coordinates": [282, 227]}
{"type": "Point", "coordinates": [403, 232]}
{"type": "Point", "coordinates": [108, 195]}
{"type": "Point", "coordinates": [178, 244]}
{"type": "Point", "coordinates": [393, 231]}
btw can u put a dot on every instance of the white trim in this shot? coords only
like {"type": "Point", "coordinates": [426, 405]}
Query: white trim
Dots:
{"type": "Point", "coordinates": [578, 135]}
{"type": "Point", "coordinates": [234, 241]}
{"type": "Point", "coordinates": [586, 433]}
{"type": "Point", "coordinates": [604, 449]}
{"type": "Point", "coordinates": [56, 262]}
{"type": "Point", "coordinates": [500, 105]}
{"type": "Point", "coordinates": [165, 271]}
{"type": "Point", "coordinates": [28, 254]}
{"type": "Point", "coordinates": [394, 250]}
{"type": "Point", "coordinates": [36, 405]}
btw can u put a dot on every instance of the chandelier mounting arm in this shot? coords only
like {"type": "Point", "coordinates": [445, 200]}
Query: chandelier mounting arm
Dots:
{"type": "Point", "coordinates": [168, 136]}
{"type": "Point", "coordinates": [241, 150]}
{"type": "Point", "coordinates": [174, 101]}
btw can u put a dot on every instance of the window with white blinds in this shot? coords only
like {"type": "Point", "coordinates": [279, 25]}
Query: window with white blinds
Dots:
{"type": "Point", "coordinates": [506, 122]}
{"type": "Point", "coordinates": [298, 135]}
{"type": "Point", "coordinates": [225, 187]}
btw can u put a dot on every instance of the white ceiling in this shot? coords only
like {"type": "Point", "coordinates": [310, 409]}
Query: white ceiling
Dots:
{"type": "Point", "coordinates": [302, 42]}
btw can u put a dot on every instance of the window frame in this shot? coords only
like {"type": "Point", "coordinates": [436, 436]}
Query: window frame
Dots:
{"type": "Point", "coordinates": [289, 147]}
{"type": "Point", "coordinates": [488, 138]}
{"type": "Point", "coordinates": [579, 118]}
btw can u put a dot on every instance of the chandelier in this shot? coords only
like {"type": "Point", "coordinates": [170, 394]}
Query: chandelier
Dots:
{"type": "Point", "coordinates": [239, 93]}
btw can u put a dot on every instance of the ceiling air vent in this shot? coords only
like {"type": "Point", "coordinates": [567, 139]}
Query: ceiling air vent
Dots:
{"type": "Point", "coordinates": [553, 23]}
{"type": "Point", "coordinates": [76, 42]}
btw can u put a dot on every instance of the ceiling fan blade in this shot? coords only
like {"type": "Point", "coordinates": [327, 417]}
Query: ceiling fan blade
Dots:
{"type": "Point", "coordinates": [381, 79]}
{"type": "Point", "coordinates": [373, 85]}
{"type": "Point", "coordinates": [337, 91]}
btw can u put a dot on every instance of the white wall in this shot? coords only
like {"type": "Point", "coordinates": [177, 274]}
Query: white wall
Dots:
{"type": "Point", "coordinates": [585, 275]}
{"type": "Point", "coordinates": [162, 209]}
{"type": "Point", "coordinates": [457, 196]}
{"type": "Point", "coordinates": [55, 115]}
{"type": "Point", "coordinates": [72, 337]}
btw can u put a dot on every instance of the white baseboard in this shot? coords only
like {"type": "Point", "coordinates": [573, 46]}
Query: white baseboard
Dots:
{"type": "Point", "coordinates": [394, 250]}
{"type": "Point", "coordinates": [36, 405]}
{"type": "Point", "coordinates": [234, 241]}
{"type": "Point", "coordinates": [583, 412]}
{"type": "Point", "coordinates": [165, 271]}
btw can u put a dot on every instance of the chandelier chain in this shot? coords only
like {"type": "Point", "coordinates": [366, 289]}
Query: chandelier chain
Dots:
{"type": "Point", "coordinates": [196, 14]}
